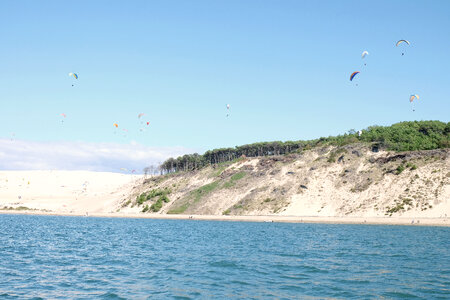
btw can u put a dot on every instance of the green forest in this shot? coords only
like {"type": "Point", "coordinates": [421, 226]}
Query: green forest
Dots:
{"type": "Point", "coordinates": [403, 136]}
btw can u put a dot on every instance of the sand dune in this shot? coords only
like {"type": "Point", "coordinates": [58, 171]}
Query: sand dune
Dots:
{"type": "Point", "coordinates": [64, 191]}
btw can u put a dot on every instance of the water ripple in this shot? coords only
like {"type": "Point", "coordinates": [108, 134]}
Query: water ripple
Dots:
{"type": "Point", "coordinates": [64, 257]}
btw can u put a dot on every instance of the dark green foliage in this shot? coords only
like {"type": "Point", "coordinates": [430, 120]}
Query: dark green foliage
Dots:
{"type": "Point", "coordinates": [141, 198]}
{"type": "Point", "coordinates": [409, 136]}
{"type": "Point", "coordinates": [411, 166]}
{"type": "Point", "coordinates": [164, 198]}
{"type": "Point", "coordinates": [333, 155]}
{"type": "Point", "coordinates": [404, 136]}
{"type": "Point", "coordinates": [157, 205]}
{"type": "Point", "coordinates": [399, 169]}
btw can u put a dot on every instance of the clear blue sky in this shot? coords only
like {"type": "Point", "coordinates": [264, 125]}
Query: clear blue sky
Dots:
{"type": "Point", "coordinates": [283, 66]}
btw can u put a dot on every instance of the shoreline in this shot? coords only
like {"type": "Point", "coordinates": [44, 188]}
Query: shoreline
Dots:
{"type": "Point", "coordinates": [444, 222]}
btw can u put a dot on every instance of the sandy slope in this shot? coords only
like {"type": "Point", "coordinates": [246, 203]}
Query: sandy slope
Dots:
{"type": "Point", "coordinates": [357, 183]}
{"type": "Point", "coordinates": [64, 191]}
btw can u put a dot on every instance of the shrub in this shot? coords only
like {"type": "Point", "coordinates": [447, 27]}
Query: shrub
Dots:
{"type": "Point", "coordinates": [141, 198]}
{"type": "Point", "coordinates": [400, 169]}
{"type": "Point", "coordinates": [156, 206]}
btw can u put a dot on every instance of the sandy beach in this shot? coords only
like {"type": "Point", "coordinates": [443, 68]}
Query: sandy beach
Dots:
{"type": "Point", "coordinates": [270, 219]}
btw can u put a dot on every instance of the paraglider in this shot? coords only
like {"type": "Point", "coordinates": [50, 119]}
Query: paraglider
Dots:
{"type": "Point", "coordinates": [148, 123]}
{"type": "Point", "coordinates": [364, 54]}
{"type": "Point", "coordinates": [64, 116]}
{"type": "Point", "coordinates": [74, 75]}
{"type": "Point", "coordinates": [412, 98]}
{"type": "Point", "coordinates": [228, 110]}
{"type": "Point", "coordinates": [353, 75]}
{"type": "Point", "coordinates": [402, 41]}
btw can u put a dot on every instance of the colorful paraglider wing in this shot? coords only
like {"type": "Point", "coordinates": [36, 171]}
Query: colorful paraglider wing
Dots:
{"type": "Point", "coordinates": [353, 75]}
{"type": "Point", "coordinates": [116, 125]}
{"type": "Point", "coordinates": [364, 54]}
{"type": "Point", "coordinates": [402, 41]}
{"type": "Point", "coordinates": [140, 115]}
{"type": "Point", "coordinates": [412, 97]}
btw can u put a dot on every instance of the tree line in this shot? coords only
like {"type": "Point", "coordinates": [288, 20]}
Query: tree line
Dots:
{"type": "Point", "coordinates": [404, 136]}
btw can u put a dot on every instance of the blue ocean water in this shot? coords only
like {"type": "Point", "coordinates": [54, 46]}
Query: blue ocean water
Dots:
{"type": "Point", "coordinates": [110, 258]}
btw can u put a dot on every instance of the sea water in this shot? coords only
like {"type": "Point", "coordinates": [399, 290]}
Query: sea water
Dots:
{"type": "Point", "coordinates": [114, 258]}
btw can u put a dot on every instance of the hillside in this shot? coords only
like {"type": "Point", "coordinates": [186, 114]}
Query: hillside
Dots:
{"type": "Point", "coordinates": [356, 179]}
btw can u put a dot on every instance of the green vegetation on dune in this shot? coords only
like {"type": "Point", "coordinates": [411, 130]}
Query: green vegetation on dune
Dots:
{"type": "Point", "coordinates": [233, 179]}
{"type": "Point", "coordinates": [408, 136]}
{"type": "Point", "coordinates": [160, 194]}
{"type": "Point", "coordinates": [16, 208]}
{"type": "Point", "coordinates": [194, 197]}
{"type": "Point", "coordinates": [204, 190]}
{"type": "Point", "coordinates": [404, 136]}
{"type": "Point", "coordinates": [178, 210]}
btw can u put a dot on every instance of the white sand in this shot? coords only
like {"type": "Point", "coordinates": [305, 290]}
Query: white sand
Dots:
{"type": "Point", "coordinates": [65, 191]}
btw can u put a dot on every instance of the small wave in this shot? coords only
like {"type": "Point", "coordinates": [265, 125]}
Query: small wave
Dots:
{"type": "Point", "coordinates": [224, 264]}
{"type": "Point", "coordinates": [111, 296]}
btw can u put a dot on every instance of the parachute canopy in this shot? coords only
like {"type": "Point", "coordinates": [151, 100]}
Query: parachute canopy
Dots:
{"type": "Point", "coordinates": [364, 54]}
{"type": "Point", "coordinates": [402, 41]}
{"type": "Point", "coordinates": [228, 106]}
{"type": "Point", "coordinates": [140, 115]}
{"type": "Point", "coordinates": [63, 115]}
{"type": "Point", "coordinates": [116, 125]}
{"type": "Point", "coordinates": [412, 97]}
{"type": "Point", "coordinates": [73, 75]}
{"type": "Point", "coordinates": [148, 123]}
{"type": "Point", "coordinates": [353, 75]}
